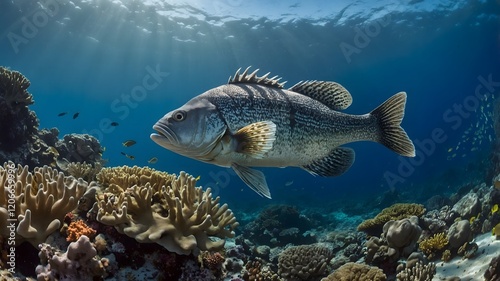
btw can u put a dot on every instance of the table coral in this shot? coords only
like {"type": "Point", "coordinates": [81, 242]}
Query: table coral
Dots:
{"type": "Point", "coordinates": [39, 200]}
{"type": "Point", "coordinates": [304, 262]}
{"type": "Point", "coordinates": [356, 272]}
{"type": "Point", "coordinates": [157, 207]}
{"type": "Point", "coordinates": [395, 212]}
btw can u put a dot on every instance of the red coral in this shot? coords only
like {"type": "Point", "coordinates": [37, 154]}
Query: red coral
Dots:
{"type": "Point", "coordinates": [77, 229]}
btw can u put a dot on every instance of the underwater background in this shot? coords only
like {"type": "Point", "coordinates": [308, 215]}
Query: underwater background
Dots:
{"type": "Point", "coordinates": [91, 57]}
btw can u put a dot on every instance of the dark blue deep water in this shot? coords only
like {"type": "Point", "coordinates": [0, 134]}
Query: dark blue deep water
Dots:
{"type": "Point", "coordinates": [94, 56]}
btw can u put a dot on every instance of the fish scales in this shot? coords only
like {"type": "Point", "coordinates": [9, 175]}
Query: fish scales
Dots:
{"type": "Point", "coordinates": [303, 124]}
{"type": "Point", "coordinates": [254, 122]}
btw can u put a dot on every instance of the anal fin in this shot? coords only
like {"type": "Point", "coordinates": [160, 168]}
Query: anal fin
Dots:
{"type": "Point", "coordinates": [334, 164]}
{"type": "Point", "coordinates": [253, 178]}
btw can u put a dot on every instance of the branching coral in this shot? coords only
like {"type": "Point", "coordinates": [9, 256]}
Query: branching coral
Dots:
{"type": "Point", "coordinates": [304, 262]}
{"type": "Point", "coordinates": [356, 272]}
{"type": "Point", "coordinates": [419, 272]}
{"type": "Point", "coordinates": [38, 200]}
{"type": "Point", "coordinates": [395, 212]}
{"type": "Point", "coordinates": [434, 244]}
{"type": "Point", "coordinates": [156, 207]}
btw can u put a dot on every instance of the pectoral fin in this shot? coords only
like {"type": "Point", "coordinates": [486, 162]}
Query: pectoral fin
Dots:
{"type": "Point", "coordinates": [334, 164]}
{"type": "Point", "coordinates": [256, 139]}
{"type": "Point", "coordinates": [253, 178]}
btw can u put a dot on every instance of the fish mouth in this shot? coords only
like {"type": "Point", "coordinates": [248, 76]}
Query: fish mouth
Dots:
{"type": "Point", "coordinates": [164, 135]}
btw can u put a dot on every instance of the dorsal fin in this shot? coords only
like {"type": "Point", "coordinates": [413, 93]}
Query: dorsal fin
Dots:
{"type": "Point", "coordinates": [331, 94]}
{"type": "Point", "coordinates": [252, 78]}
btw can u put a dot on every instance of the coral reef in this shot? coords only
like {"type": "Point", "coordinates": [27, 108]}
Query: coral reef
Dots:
{"type": "Point", "coordinates": [356, 272]}
{"type": "Point", "coordinates": [433, 245]}
{"type": "Point", "coordinates": [402, 235]}
{"type": "Point", "coordinates": [22, 142]}
{"type": "Point", "coordinates": [38, 200]}
{"type": "Point", "coordinates": [419, 272]}
{"type": "Point", "coordinates": [17, 123]}
{"type": "Point", "coordinates": [255, 270]}
{"type": "Point", "coordinates": [279, 225]}
{"type": "Point", "coordinates": [156, 207]}
{"type": "Point", "coordinates": [88, 172]}
{"type": "Point", "coordinates": [78, 228]}
{"type": "Point", "coordinates": [79, 262]}
{"type": "Point", "coordinates": [395, 212]}
{"type": "Point", "coordinates": [304, 262]}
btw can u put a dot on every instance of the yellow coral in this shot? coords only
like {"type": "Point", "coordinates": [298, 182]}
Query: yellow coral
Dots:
{"type": "Point", "coordinates": [395, 212]}
{"type": "Point", "coordinates": [157, 207]}
{"type": "Point", "coordinates": [434, 243]}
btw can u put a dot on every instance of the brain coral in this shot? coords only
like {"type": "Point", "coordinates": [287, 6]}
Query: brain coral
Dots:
{"type": "Point", "coordinates": [38, 200]}
{"type": "Point", "coordinates": [356, 272]}
{"type": "Point", "coordinates": [306, 262]}
{"type": "Point", "coordinates": [157, 207]}
{"type": "Point", "coordinates": [395, 212]}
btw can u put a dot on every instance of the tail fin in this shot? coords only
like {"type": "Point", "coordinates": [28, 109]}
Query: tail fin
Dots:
{"type": "Point", "coordinates": [389, 116]}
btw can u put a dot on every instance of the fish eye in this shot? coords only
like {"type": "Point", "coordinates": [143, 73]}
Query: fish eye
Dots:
{"type": "Point", "coordinates": [179, 115]}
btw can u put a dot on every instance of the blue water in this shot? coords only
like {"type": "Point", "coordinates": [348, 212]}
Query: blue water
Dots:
{"type": "Point", "coordinates": [92, 56]}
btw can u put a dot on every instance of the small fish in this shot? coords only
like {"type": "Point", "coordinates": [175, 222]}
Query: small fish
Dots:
{"type": "Point", "coordinates": [198, 178]}
{"type": "Point", "coordinates": [62, 114]}
{"type": "Point", "coordinates": [153, 160]}
{"type": "Point", "coordinates": [254, 122]}
{"type": "Point", "coordinates": [76, 115]}
{"type": "Point", "coordinates": [128, 143]}
{"type": "Point", "coordinates": [450, 149]}
{"type": "Point", "coordinates": [131, 157]}
{"type": "Point", "coordinates": [114, 124]}
{"type": "Point", "coordinates": [288, 183]}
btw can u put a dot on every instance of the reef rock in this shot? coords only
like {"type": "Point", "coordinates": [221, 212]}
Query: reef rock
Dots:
{"type": "Point", "coordinates": [468, 206]}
